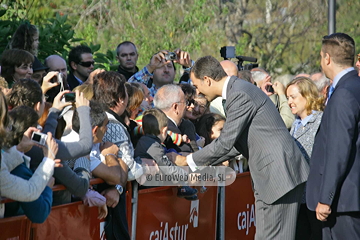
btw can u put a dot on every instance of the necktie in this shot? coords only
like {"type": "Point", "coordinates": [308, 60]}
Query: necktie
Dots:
{"type": "Point", "coordinates": [331, 90]}
{"type": "Point", "coordinates": [223, 104]}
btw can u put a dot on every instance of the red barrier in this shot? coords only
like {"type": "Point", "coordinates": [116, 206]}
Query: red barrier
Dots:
{"type": "Point", "coordinates": [240, 209]}
{"type": "Point", "coordinates": [69, 221]}
{"type": "Point", "coordinates": [15, 228]}
{"type": "Point", "coordinates": [163, 215]}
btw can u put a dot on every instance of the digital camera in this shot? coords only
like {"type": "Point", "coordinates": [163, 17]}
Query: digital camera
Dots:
{"type": "Point", "coordinates": [170, 56]}
{"type": "Point", "coordinates": [39, 138]}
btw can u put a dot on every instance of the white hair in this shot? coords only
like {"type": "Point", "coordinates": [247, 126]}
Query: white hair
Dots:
{"type": "Point", "coordinates": [167, 95]}
{"type": "Point", "coordinates": [258, 75]}
{"type": "Point", "coordinates": [321, 82]}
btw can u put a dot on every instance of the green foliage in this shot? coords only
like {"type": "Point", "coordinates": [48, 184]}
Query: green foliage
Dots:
{"type": "Point", "coordinates": [56, 37]}
{"type": "Point", "coordinates": [287, 42]}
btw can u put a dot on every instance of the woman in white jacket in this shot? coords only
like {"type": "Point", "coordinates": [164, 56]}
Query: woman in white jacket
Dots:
{"type": "Point", "coordinates": [15, 187]}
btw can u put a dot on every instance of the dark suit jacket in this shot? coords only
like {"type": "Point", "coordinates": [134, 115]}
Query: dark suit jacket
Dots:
{"type": "Point", "coordinates": [335, 162]}
{"type": "Point", "coordinates": [72, 81]}
{"type": "Point", "coordinates": [184, 147]}
{"type": "Point", "coordinates": [255, 129]}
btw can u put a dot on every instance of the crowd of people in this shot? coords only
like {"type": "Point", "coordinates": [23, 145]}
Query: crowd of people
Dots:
{"type": "Point", "coordinates": [297, 135]}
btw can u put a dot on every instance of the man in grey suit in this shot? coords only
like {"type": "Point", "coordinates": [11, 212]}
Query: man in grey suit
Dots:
{"type": "Point", "coordinates": [255, 129]}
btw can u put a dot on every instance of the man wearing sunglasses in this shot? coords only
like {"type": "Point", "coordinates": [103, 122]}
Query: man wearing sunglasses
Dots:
{"type": "Point", "coordinates": [81, 64]}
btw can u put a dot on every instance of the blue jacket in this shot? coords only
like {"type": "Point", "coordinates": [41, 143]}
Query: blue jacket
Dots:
{"type": "Point", "coordinates": [38, 210]}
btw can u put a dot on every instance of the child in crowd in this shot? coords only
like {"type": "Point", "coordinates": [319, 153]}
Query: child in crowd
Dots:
{"type": "Point", "coordinates": [177, 138]}
{"type": "Point", "coordinates": [210, 126]}
{"type": "Point", "coordinates": [149, 146]}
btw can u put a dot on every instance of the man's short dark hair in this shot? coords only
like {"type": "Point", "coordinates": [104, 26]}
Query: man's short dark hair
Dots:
{"type": "Point", "coordinates": [25, 92]}
{"type": "Point", "coordinates": [109, 87]}
{"type": "Point", "coordinates": [75, 54]}
{"type": "Point", "coordinates": [125, 43]}
{"type": "Point", "coordinates": [210, 67]}
{"type": "Point", "coordinates": [153, 121]}
{"type": "Point", "coordinates": [340, 47]}
{"type": "Point", "coordinates": [97, 116]}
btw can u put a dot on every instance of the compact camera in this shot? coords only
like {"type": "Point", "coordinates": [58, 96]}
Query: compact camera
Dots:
{"type": "Point", "coordinates": [69, 97]}
{"type": "Point", "coordinates": [170, 56]}
{"type": "Point", "coordinates": [39, 138]}
{"type": "Point", "coordinates": [59, 78]}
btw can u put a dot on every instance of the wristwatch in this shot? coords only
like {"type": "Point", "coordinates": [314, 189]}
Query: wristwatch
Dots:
{"type": "Point", "coordinates": [119, 188]}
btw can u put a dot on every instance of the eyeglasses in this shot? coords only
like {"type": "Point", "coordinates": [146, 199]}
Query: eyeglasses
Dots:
{"type": "Point", "coordinates": [86, 64]}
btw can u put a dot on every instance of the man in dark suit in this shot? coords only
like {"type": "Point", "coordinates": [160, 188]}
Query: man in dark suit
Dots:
{"type": "Point", "coordinates": [81, 63]}
{"type": "Point", "coordinates": [171, 100]}
{"type": "Point", "coordinates": [333, 189]}
{"type": "Point", "coordinates": [255, 129]}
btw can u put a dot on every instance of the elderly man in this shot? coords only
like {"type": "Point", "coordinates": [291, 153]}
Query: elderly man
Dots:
{"type": "Point", "coordinates": [160, 71]}
{"type": "Point", "coordinates": [57, 64]}
{"type": "Point", "coordinates": [171, 100]}
{"type": "Point", "coordinates": [254, 128]}
{"type": "Point", "coordinates": [322, 83]}
{"type": "Point", "coordinates": [277, 96]}
{"type": "Point", "coordinates": [127, 55]}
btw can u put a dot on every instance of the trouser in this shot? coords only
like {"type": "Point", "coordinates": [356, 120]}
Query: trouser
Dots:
{"type": "Point", "coordinates": [340, 226]}
{"type": "Point", "coordinates": [308, 226]}
{"type": "Point", "coordinates": [278, 220]}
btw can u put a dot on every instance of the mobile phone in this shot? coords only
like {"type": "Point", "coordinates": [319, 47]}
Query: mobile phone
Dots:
{"type": "Point", "coordinates": [69, 97]}
{"type": "Point", "coordinates": [269, 88]}
{"type": "Point", "coordinates": [39, 138]}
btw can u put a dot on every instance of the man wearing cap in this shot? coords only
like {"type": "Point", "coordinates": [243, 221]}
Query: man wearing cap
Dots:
{"type": "Point", "coordinates": [39, 70]}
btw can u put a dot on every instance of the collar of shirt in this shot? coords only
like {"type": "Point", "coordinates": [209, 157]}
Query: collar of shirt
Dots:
{"type": "Point", "coordinates": [304, 121]}
{"type": "Point", "coordinates": [81, 82]}
{"type": "Point", "coordinates": [225, 88]}
{"type": "Point", "coordinates": [340, 75]}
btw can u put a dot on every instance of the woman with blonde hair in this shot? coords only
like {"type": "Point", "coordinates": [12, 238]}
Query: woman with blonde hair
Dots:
{"type": "Point", "coordinates": [306, 103]}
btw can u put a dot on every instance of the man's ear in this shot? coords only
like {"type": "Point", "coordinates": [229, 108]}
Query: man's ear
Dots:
{"type": "Point", "coordinates": [94, 130]}
{"type": "Point", "coordinates": [207, 80]}
{"type": "Point", "coordinates": [73, 65]}
{"type": "Point", "coordinates": [37, 107]}
{"type": "Point", "coordinates": [327, 58]}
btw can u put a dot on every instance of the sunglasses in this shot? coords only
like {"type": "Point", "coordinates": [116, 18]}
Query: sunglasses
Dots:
{"type": "Point", "coordinates": [86, 64]}
{"type": "Point", "coordinates": [189, 102]}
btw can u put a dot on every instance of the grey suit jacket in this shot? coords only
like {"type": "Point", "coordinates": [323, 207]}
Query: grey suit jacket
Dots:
{"type": "Point", "coordinates": [254, 128]}
{"type": "Point", "coordinates": [305, 136]}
